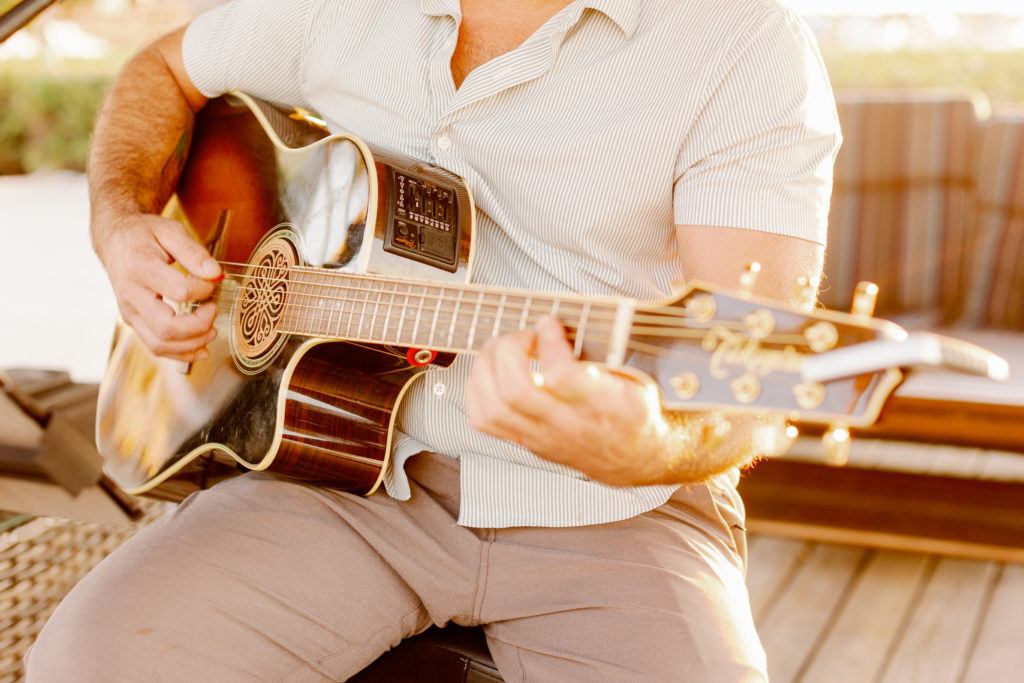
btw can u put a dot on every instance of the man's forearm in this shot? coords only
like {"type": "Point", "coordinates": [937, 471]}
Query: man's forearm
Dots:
{"type": "Point", "coordinates": [140, 143]}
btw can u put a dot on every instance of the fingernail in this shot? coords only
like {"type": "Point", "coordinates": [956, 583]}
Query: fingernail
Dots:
{"type": "Point", "coordinates": [202, 354]}
{"type": "Point", "coordinates": [210, 337]}
{"type": "Point", "coordinates": [211, 269]}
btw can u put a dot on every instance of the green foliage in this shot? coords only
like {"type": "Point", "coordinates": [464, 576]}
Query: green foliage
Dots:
{"type": "Point", "coordinates": [46, 121]}
{"type": "Point", "coordinates": [1000, 75]}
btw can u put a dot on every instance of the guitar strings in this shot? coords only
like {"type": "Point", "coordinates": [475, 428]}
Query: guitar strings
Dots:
{"type": "Point", "coordinates": [685, 354]}
{"type": "Point", "coordinates": [663, 320]}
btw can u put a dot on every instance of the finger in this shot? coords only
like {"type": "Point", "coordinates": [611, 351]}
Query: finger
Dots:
{"type": "Point", "coordinates": [486, 407]}
{"type": "Point", "coordinates": [167, 326]}
{"type": "Point", "coordinates": [192, 256]}
{"type": "Point", "coordinates": [564, 376]}
{"type": "Point", "coordinates": [171, 283]}
{"type": "Point", "coordinates": [553, 347]}
{"type": "Point", "coordinates": [186, 349]}
{"type": "Point", "coordinates": [509, 359]}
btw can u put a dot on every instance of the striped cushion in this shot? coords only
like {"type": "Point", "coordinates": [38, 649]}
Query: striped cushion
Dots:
{"type": "Point", "coordinates": [901, 196]}
{"type": "Point", "coordinates": [994, 253]}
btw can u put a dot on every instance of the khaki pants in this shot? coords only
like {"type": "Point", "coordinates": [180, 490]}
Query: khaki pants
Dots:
{"type": "Point", "coordinates": [263, 579]}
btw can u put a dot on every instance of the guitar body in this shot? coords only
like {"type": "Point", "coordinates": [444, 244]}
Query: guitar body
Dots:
{"type": "Point", "coordinates": [296, 404]}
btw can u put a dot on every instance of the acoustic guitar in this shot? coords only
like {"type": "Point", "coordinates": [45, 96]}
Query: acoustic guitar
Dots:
{"type": "Point", "coordinates": [349, 272]}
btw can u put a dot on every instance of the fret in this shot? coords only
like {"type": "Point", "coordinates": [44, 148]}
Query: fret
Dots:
{"type": "Point", "coordinates": [419, 314]}
{"type": "Point", "coordinates": [577, 349]}
{"type": "Point", "coordinates": [288, 314]}
{"type": "Point", "coordinates": [323, 302]}
{"type": "Point", "coordinates": [375, 318]}
{"type": "Point", "coordinates": [455, 317]}
{"type": "Point", "coordinates": [387, 314]}
{"type": "Point", "coordinates": [350, 303]}
{"type": "Point", "coordinates": [402, 309]}
{"type": "Point", "coordinates": [362, 314]}
{"type": "Point", "coordinates": [526, 312]}
{"type": "Point", "coordinates": [311, 304]}
{"type": "Point", "coordinates": [554, 307]}
{"type": "Point", "coordinates": [333, 305]}
{"type": "Point", "coordinates": [499, 315]}
{"type": "Point", "coordinates": [291, 321]}
{"type": "Point", "coordinates": [437, 311]}
{"type": "Point", "coordinates": [476, 317]}
{"type": "Point", "coordinates": [302, 304]}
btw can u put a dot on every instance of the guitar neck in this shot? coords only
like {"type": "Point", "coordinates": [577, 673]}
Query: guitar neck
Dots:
{"type": "Point", "coordinates": [448, 317]}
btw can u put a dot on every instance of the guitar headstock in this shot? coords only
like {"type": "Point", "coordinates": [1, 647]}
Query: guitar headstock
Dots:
{"type": "Point", "coordinates": [715, 349]}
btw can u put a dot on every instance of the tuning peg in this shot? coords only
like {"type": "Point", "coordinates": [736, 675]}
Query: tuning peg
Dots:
{"type": "Point", "coordinates": [864, 298]}
{"type": "Point", "coordinates": [701, 307]}
{"type": "Point", "coordinates": [837, 445]}
{"type": "Point", "coordinates": [748, 278]}
{"type": "Point", "coordinates": [773, 438]}
{"type": "Point", "coordinates": [804, 292]}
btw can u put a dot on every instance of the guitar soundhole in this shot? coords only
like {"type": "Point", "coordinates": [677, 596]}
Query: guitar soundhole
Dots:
{"type": "Point", "coordinates": [260, 304]}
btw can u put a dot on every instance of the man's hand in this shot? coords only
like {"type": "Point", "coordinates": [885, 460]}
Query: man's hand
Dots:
{"type": "Point", "coordinates": [152, 261]}
{"type": "Point", "coordinates": [578, 415]}
{"type": "Point", "coordinates": [138, 150]}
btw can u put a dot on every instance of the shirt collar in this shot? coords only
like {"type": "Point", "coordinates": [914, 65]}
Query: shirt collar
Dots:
{"type": "Point", "coordinates": [625, 13]}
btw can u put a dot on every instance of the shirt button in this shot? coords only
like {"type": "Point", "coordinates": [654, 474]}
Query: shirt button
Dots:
{"type": "Point", "coordinates": [439, 389]}
{"type": "Point", "coordinates": [443, 142]}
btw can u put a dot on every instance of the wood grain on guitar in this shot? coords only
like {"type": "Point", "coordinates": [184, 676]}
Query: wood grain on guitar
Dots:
{"type": "Point", "coordinates": [343, 261]}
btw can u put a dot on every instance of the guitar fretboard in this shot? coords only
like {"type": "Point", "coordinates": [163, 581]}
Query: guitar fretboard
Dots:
{"type": "Point", "coordinates": [332, 304]}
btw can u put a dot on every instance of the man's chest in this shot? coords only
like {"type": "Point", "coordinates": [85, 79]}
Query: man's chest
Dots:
{"type": "Point", "coordinates": [491, 29]}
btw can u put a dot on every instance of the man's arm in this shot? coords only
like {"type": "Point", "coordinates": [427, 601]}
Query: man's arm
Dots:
{"type": "Point", "coordinates": [139, 147]}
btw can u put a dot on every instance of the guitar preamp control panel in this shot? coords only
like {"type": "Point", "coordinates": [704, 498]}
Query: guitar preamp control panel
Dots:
{"type": "Point", "coordinates": [423, 220]}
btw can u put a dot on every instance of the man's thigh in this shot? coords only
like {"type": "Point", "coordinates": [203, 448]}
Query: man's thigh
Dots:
{"type": "Point", "coordinates": [657, 598]}
{"type": "Point", "coordinates": [256, 579]}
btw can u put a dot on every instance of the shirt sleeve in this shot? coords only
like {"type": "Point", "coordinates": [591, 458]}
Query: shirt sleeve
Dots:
{"type": "Point", "coordinates": [256, 46]}
{"type": "Point", "coordinates": [761, 152]}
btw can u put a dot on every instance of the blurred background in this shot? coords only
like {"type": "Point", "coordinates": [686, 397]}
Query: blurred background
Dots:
{"type": "Point", "coordinates": [54, 72]}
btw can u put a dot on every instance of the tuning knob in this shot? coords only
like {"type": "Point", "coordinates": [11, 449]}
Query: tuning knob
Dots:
{"type": "Point", "coordinates": [837, 445]}
{"type": "Point", "coordinates": [864, 298]}
{"type": "Point", "coordinates": [804, 292]}
{"type": "Point", "coordinates": [774, 437]}
{"type": "Point", "coordinates": [748, 278]}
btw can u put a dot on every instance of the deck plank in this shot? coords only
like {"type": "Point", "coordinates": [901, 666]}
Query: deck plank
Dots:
{"type": "Point", "coordinates": [936, 645]}
{"type": "Point", "coordinates": [793, 624]}
{"type": "Point", "coordinates": [858, 644]}
{"type": "Point", "coordinates": [771, 561]}
{"type": "Point", "coordinates": [998, 655]}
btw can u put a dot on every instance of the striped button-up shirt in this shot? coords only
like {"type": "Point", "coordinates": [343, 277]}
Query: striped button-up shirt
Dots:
{"type": "Point", "coordinates": [583, 147]}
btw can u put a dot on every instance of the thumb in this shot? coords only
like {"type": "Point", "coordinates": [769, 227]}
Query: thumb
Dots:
{"type": "Point", "coordinates": [180, 246]}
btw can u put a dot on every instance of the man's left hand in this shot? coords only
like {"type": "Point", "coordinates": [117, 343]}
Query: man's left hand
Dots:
{"type": "Point", "coordinates": [573, 413]}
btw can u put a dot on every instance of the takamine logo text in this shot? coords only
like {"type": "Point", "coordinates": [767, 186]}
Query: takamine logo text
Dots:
{"type": "Point", "coordinates": [734, 349]}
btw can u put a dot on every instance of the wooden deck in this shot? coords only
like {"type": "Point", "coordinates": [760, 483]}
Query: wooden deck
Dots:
{"type": "Point", "coordinates": [833, 614]}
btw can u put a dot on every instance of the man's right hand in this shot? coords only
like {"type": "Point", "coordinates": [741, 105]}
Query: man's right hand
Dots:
{"type": "Point", "coordinates": [154, 263]}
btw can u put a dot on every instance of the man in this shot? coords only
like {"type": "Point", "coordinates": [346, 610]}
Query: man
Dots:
{"type": "Point", "coordinates": [613, 147]}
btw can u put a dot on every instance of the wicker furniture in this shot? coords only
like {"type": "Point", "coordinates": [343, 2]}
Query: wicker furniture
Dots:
{"type": "Point", "coordinates": [40, 560]}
